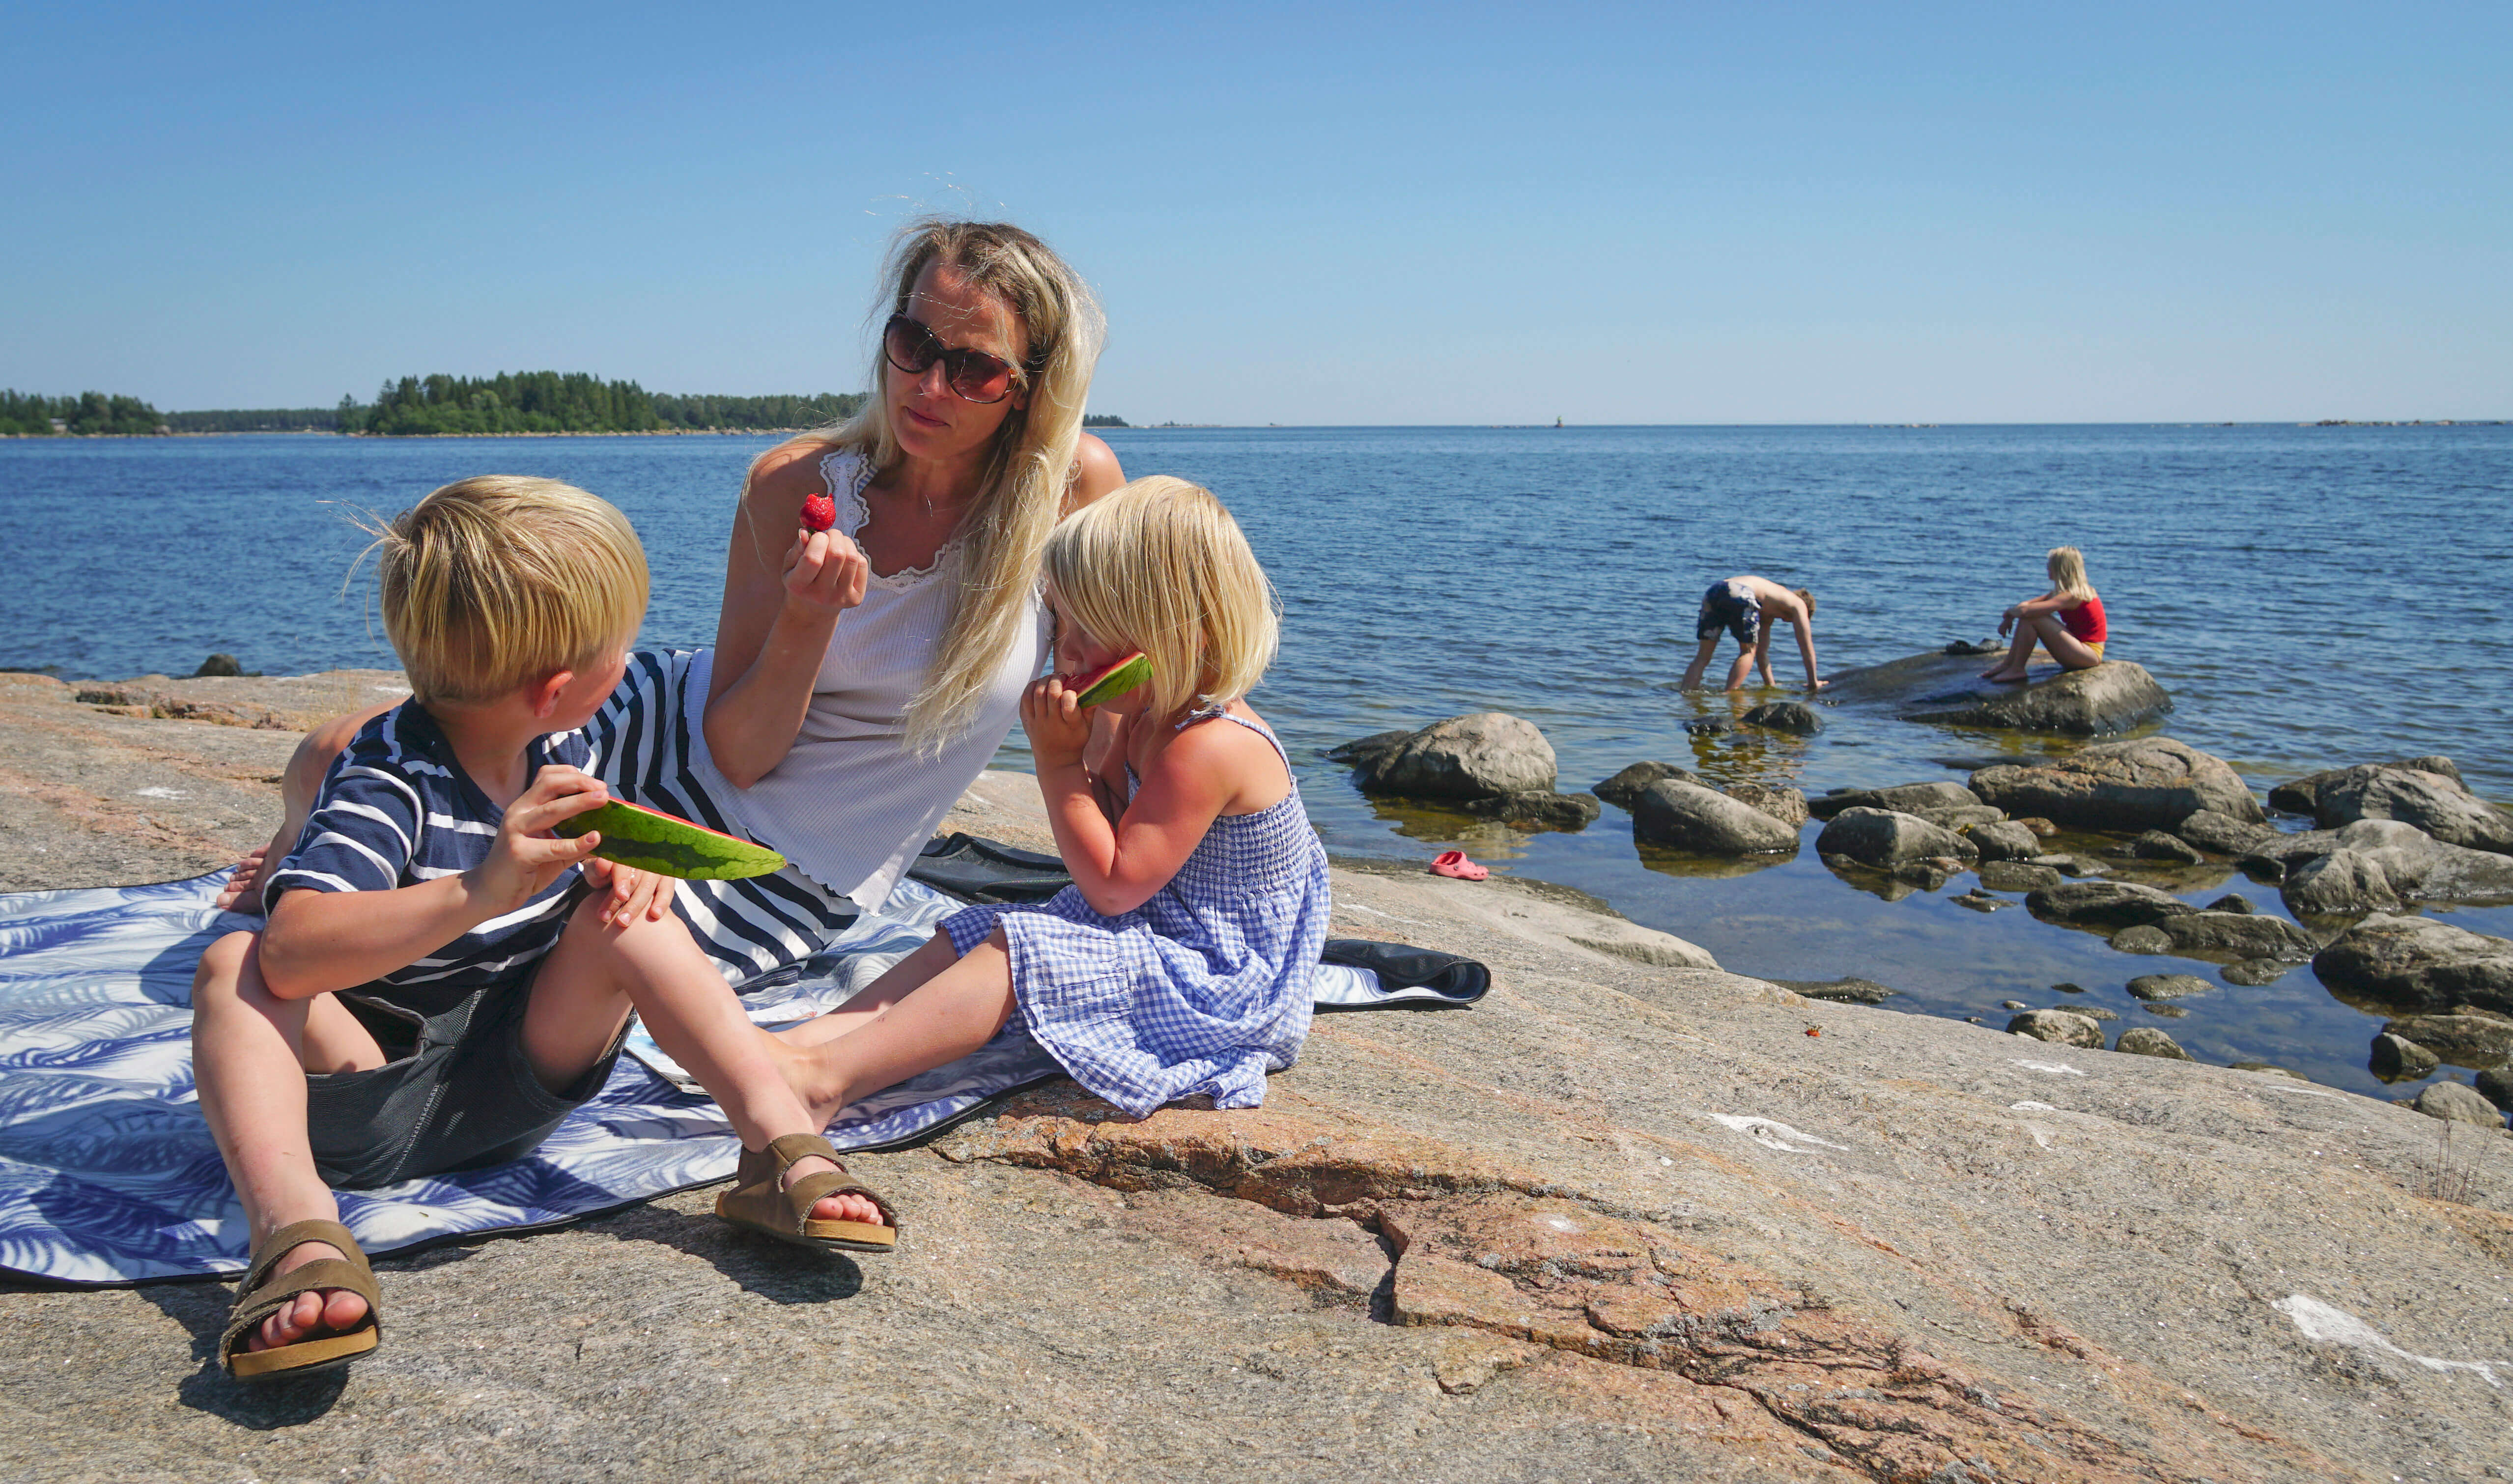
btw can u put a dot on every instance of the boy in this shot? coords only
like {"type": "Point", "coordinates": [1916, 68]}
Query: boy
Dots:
{"type": "Point", "coordinates": [1746, 605]}
{"type": "Point", "coordinates": [432, 990]}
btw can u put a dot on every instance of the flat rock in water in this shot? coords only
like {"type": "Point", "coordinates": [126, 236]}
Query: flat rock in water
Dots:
{"type": "Point", "coordinates": [1547, 810]}
{"type": "Point", "coordinates": [2016, 876]}
{"type": "Point", "coordinates": [2160, 845]}
{"type": "Point", "coordinates": [2168, 986]}
{"type": "Point", "coordinates": [1960, 819]}
{"type": "Point", "coordinates": [2099, 905]}
{"type": "Point", "coordinates": [2231, 902]}
{"type": "Point", "coordinates": [1845, 991]}
{"type": "Point", "coordinates": [2386, 865]}
{"type": "Point", "coordinates": [2302, 796]}
{"type": "Point", "coordinates": [2395, 1059]}
{"type": "Point", "coordinates": [1465, 757]}
{"type": "Point", "coordinates": [1365, 750]}
{"type": "Point", "coordinates": [2064, 1028]}
{"type": "Point", "coordinates": [2213, 935]}
{"type": "Point", "coordinates": [1903, 798]}
{"type": "Point", "coordinates": [1781, 802]}
{"type": "Point", "coordinates": [2255, 971]}
{"type": "Point", "coordinates": [2458, 1102]}
{"type": "Point", "coordinates": [1881, 838]}
{"type": "Point", "coordinates": [2474, 1041]}
{"type": "Point", "coordinates": [1626, 784]}
{"type": "Point", "coordinates": [1688, 817]}
{"type": "Point", "coordinates": [2154, 783]}
{"type": "Point", "coordinates": [2433, 802]}
{"type": "Point", "coordinates": [2004, 840]}
{"type": "Point", "coordinates": [2418, 961]}
{"type": "Point", "coordinates": [2112, 697]}
{"type": "Point", "coordinates": [1785, 716]}
{"type": "Point", "coordinates": [2147, 1041]}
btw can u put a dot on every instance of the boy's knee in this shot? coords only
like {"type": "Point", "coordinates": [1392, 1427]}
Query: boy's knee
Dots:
{"type": "Point", "coordinates": [225, 962]}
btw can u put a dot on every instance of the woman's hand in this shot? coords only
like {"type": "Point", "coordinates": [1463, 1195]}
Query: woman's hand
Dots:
{"type": "Point", "coordinates": [1059, 728]}
{"type": "Point", "coordinates": [826, 572]}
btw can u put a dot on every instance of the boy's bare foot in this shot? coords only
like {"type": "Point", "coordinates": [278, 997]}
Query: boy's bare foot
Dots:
{"type": "Point", "coordinates": [323, 1312]}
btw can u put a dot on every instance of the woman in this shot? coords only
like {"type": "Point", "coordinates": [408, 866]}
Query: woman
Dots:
{"type": "Point", "coordinates": [862, 676]}
{"type": "Point", "coordinates": [2067, 620]}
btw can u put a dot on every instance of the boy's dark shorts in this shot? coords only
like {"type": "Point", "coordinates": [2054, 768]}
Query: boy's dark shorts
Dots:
{"type": "Point", "coordinates": [457, 1093]}
{"type": "Point", "coordinates": [1731, 607]}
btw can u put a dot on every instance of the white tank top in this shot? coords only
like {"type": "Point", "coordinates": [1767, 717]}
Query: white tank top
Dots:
{"type": "Point", "coordinates": [849, 803]}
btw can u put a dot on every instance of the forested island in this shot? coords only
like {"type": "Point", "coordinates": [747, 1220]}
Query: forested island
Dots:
{"type": "Point", "coordinates": [510, 402]}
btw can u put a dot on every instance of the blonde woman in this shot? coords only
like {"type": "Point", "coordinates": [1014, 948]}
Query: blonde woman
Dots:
{"type": "Point", "coordinates": [2067, 620]}
{"type": "Point", "coordinates": [1180, 961]}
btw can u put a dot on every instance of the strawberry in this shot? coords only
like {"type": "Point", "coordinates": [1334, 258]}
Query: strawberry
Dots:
{"type": "Point", "coordinates": [820, 512]}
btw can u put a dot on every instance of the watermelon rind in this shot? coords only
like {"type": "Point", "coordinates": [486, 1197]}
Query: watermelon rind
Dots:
{"type": "Point", "coordinates": [669, 845]}
{"type": "Point", "coordinates": [1117, 679]}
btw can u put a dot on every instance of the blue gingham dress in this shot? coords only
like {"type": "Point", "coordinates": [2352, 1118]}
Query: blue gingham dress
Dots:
{"type": "Point", "coordinates": [1204, 989]}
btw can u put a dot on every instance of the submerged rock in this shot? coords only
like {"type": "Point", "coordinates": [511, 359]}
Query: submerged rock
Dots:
{"type": "Point", "coordinates": [2168, 986]}
{"type": "Point", "coordinates": [1571, 811]}
{"type": "Point", "coordinates": [2418, 961]}
{"type": "Point", "coordinates": [2112, 905]}
{"type": "Point", "coordinates": [1903, 798]}
{"type": "Point", "coordinates": [1465, 757]}
{"type": "Point", "coordinates": [2497, 1086]}
{"type": "Point", "coordinates": [2152, 783]}
{"type": "Point", "coordinates": [2474, 1041]}
{"type": "Point", "coordinates": [1786, 716]}
{"type": "Point", "coordinates": [1689, 816]}
{"type": "Point", "coordinates": [1626, 786]}
{"type": "Point", "coordinates": [2064, 1028]}
{"type": "Point", "coordinates": [1845, 991]}
{"type": "Point", "coordinates": [2385, 865]}
{"type": "Point", "coordinates": [2255, 971]}
{"type": "Point", "coordinates": [1882, 839]}
{"type": "Point", "coordinates": [2147, 1041]}
{"type": "Point", "coordinates": [2158, 845]}
{"type": "Point", "coordinates": [2004, 840]}
{"type": "Point", "coordinates": [2017, 876]}
{"type": "Point", "coordinates": [2112, 697]}
{"type": "Point", "coordinates": [2231, 902]}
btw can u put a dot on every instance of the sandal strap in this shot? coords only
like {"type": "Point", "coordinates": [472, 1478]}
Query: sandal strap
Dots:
{"type": "Point", "coordinates": [287, 1239]}
{"type": "Point", "coordinates": [812, 1189]}
{"type": "Point", "coordinates": [789, 1148]}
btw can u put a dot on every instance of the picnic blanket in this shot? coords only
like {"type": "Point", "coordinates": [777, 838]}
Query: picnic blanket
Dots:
{"type": "Point", "coordinates": [109, 1176]}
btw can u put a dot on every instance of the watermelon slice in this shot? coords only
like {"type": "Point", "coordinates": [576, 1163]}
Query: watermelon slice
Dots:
{"type": "Point", "coordinates": [668, 845]}
{"type": "Point", "coordinates": [1114, 681]}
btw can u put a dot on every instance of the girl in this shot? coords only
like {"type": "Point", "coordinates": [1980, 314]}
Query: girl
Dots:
{"type": "Point", "coordinates": [2067, 620]}
{"type": "Point", "coordinates": [1180, 961]}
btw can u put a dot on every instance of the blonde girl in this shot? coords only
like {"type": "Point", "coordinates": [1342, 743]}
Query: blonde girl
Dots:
{"type": "Point", "coordinates": [1180, 961]}
{"type": "Point", "coordinates": [2067, 620]}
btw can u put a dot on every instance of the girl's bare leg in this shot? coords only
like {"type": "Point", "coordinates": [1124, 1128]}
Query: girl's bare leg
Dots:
{"type": "Point", "coordinates": [952, 1014]}
{"type": "Point", "coordinates": [2052, 635]}
{"type": "Point", "coordinates": [251, 1050]}
{"type": "Point", "coordinates": [901, 979]}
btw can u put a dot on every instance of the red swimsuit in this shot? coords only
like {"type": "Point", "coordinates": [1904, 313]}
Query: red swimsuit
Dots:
{"type": "Point", "coordinates": [2084, 621]}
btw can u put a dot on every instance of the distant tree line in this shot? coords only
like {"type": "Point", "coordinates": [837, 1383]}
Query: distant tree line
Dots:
{"type": "Point", "coordinates": [1105, 420]}
{"type": "Point", "coordinates": [85, 414]}
{"type": "Point", "coordinates": [263, 419]}
{"type": "Point", "coordinates": [549, 402]}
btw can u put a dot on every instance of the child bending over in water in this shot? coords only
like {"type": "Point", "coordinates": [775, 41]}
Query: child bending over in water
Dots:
{"type": "Point", "coordinates": [1747, 606]}
{"type": "Point", "coordinates": [1180, 961]}
{"type": "Point", "coordinates": [2067, 620]}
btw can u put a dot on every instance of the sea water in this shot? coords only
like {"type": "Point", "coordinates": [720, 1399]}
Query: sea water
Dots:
{"type": "Point", "coordinates": [2311, 596]}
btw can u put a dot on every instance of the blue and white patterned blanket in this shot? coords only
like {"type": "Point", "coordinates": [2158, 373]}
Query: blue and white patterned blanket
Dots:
{"type": "Point", "coordinates": [107, 1174]}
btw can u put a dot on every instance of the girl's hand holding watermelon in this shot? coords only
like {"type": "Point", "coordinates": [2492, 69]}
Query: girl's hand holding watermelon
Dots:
{"type": "Point", "coordinates": [1058, 727]}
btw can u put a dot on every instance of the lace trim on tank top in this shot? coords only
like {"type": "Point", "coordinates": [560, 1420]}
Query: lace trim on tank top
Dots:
{"type": "Point", "coordinates": [854, 512]}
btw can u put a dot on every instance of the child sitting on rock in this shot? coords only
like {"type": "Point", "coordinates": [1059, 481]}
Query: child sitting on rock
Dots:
{"type": "Point", "coordinates": [1180, 962]}
{"type": "Point", "coordinates": [434, 989]}
{"type": "Point", "coordinates": [1747, 606]}
{"type": "Point", "coordinates": [2067, 620]}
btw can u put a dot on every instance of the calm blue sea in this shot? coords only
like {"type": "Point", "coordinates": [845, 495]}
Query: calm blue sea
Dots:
{"type": "Point", "coordinates": [2311, 596]}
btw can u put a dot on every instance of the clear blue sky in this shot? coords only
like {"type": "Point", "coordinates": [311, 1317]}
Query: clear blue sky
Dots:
{"type": "Point", "coordinates": [1705, 214]}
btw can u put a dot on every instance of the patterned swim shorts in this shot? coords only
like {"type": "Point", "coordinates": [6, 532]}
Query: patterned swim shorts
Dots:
{"type": "Point", "coordinates": [1732, 607]}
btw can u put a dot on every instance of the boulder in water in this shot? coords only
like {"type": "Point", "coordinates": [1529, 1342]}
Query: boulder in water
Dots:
{"type": "Point", "coordinates": [1689, 816]}
{"type": "Point", "coordinates": [1465, 757]}
{"type": "Point", "coordinates": [1785, 716]}
{"type": "Point", "coordinates": [2434, 803]}
{"type": "Point", "coordinates": [2060, 1027]}
{"type": "Point", "coordinates": [1903, 798]}
{"type": "Point", "coordinates": [1540, 810]}
{"type": "Point", "coordinates": [2303, 795]}
{"type": "Point", "coordinates": [2004, 840]}
{"type": "Point", "coordinates": [2017, 876]}
{"type": "Point", "coordinates": [2104, 905]}
{"type": "Point", "coordinates": [2154, 783]}
{"type": "Point", "coordinates": [2147, 1041]}
{"type": "Point", "coordinates": [2161, 845]}
{"type": "Point", "coordinates": [2396, 1060]}
{"type": "Point", "coordinates": [2474, 1041]}
{"type": "Point", "coordinates": [2218, 935]}
{"type": "Point", "coordinates": [1882, 839]}
{"type": "Point", "coordinates": [2111, 697]}
{"type": "Point", "coordinates": [2385, 865]}
{"type": "Point", "coordinates": [2418, 961]}
{"type": "Point", "coordinates": [2458, 1102]}
{"type": "Point", "coordinates": [1626, 786]}
{"type": "Point", "coordinates": [1781, 802]}
{"type": "Point", "coordinates": [2168, 986]}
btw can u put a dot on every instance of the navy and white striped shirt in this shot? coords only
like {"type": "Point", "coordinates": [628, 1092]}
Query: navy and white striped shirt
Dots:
{"type": "Point", "coordinates": [397, 809]}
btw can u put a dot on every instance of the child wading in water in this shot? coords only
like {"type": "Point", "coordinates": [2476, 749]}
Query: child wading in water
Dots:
{"type": "Point", "coordinates": [1180, 961]}
{"type": "Point", "coordinates": [1747, 606]}
{"type": "Point", "coordinates": [2067, 620]}
{"type": "Point", "coordinates": [434, 989]}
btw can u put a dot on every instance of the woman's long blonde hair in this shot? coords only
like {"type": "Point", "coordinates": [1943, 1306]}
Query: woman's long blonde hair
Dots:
{"type": "Point", "coordinates": [1028, 477]}
{"type": "Point", "coordinates": [2067, 567]}
{"type": "Point", "coordinates": [1160, 567]}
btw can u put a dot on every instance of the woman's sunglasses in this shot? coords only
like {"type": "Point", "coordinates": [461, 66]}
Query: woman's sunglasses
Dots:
{"type": "Point", "coordinates": [973, 375]}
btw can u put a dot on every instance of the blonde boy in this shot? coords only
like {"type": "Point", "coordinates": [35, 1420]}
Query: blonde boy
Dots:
{"type": "Point", "coordinates": [1747, 606]}
{"type": "Point", "coordinates": [434, 988]}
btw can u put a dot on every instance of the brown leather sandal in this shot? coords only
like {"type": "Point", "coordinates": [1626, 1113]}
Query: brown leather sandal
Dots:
{"type": "Point", "coordinates": [262, 1295]}
{"type": "Point", "coordinates": [758, 1202]}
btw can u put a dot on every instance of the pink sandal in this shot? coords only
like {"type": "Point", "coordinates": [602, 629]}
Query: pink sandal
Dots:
{"type": "Point", "coordinates": [1454, 862]}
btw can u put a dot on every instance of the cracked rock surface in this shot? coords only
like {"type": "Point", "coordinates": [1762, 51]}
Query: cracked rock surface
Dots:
{"type": "Point", "coordinates": [1625, 1218]}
